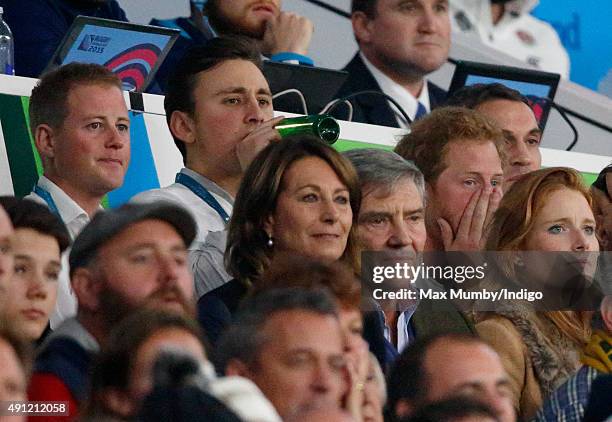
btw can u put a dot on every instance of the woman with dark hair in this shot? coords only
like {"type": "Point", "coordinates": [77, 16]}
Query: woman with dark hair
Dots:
{"type": "Point", "coordinates": [154, 367]}
{"type": "Point", "coordinates": [122, 375]}
{"type": "Point", "coordinates": [299, 196]}
{"type": "Point", "coordinates": [40, 238]}
{"type": "Point", "coordinates": [548, 210]}
{"type": "Point", "coordinates": [289, 270]}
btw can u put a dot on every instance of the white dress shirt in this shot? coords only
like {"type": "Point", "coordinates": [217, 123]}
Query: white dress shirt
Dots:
{"type": "Point", "coordinates": [400, 94]}
{"type": "Point", "coordinates": [75, 219]}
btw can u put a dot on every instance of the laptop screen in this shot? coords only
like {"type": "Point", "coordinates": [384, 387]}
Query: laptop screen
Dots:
{"type": "Point", "coordinates": [539, 87]}
{"type": "Point", "coordinates": [133, 52]}
{"type": "Point", "coordinates": [318, 85]}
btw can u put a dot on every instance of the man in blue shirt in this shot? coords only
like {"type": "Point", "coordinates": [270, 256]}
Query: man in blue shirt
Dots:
{"type": "Point", "coordinates": [40, 25]}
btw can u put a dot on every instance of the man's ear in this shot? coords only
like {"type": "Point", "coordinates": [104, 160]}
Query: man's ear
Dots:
{"type": "Point", "coordinates": [44, 139]}
{"type": "Point", "coordinates": [362, 27]}
{"type": "Point", "coordinates": [183, 126]}
{"type": "Point", "coordinates": [238, 368]}
{"type": "Point", "coordinates": [429, 190]}
{"type": "Point", "coordinates": [86, 288]}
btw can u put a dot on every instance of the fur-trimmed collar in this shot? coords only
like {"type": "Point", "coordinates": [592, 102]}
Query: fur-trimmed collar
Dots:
{"type": "Point", "coordinates": [554, 357]}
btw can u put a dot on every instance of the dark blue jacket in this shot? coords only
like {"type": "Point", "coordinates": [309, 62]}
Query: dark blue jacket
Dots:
{"type": "Point", "coordinates": [40, 25]}
{"type": "Point", "coordinates": [190, 36]}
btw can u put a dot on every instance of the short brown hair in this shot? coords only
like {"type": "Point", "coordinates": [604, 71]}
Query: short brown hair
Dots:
{"type": "Point", "coordinates": [27, 214]}
{"type": "Point", "coordinates": [427, 143]}
{"type": "Point", "coordinates": [289, 270]}
{"type": "Point", "coordinates": [368, 7]}
{"type": "Point", "coordinates": [410, 365]}
{"type": "Point", "coordinates": [49, 98]}
{"type": "Point", "coordinates": [113, 367]}
{"type": "Point", "coordinates": [473, 96]}
{"type": "Point", "coordinates": [180, 91]}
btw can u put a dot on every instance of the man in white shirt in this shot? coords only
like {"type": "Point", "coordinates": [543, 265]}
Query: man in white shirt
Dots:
{"type": "Point", "coordinates": [400, 42]}
{"type": "Point", "coordinates": [507, 26]}
{"type": "Point", "coordinates": [219, 110]}
{"type": "Point", "coordinates": [81, 128]}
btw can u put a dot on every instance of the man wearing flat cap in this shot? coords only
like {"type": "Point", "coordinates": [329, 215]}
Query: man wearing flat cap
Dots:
{"type": "Point", "coordinates": [131, 257]}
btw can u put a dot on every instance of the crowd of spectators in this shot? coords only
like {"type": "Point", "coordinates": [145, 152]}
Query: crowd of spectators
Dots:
{"type": "Point", "coordinates": [236, 294]}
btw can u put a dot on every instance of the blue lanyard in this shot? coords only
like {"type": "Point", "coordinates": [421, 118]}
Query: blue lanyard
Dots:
{"type": "Point", "coordinates": [203, 194]}
{"type": "Point", "coordinates": [46, 196]}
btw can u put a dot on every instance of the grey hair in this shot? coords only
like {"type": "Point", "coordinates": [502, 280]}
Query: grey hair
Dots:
{"type": "Point", "coordinates": [379, 168]}
{"type": "Point", "coordinates": [245, 336]}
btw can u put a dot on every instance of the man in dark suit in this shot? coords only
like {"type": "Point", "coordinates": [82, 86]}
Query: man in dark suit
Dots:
{"type": "Point", "coordinates": [392, 219]}
{"type": "Point", "coordinates": [399, 43]}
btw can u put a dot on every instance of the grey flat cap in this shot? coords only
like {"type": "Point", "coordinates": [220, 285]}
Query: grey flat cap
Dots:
{"type": "Point", "coordinates": [106, 224]}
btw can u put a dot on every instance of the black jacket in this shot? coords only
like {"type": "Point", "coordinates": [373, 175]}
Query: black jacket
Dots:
{"type": "Point", "coordinates": [40, 25]}
{"type": "Point", "coordinates": [374, 109]}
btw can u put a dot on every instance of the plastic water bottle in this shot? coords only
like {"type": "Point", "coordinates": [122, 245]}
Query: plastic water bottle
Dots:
{"type": "Point", "coordinates": [7, 59]}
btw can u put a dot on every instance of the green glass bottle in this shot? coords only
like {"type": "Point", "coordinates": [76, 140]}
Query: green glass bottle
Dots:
{"type": "Point", "coordinates": [323, 126]}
